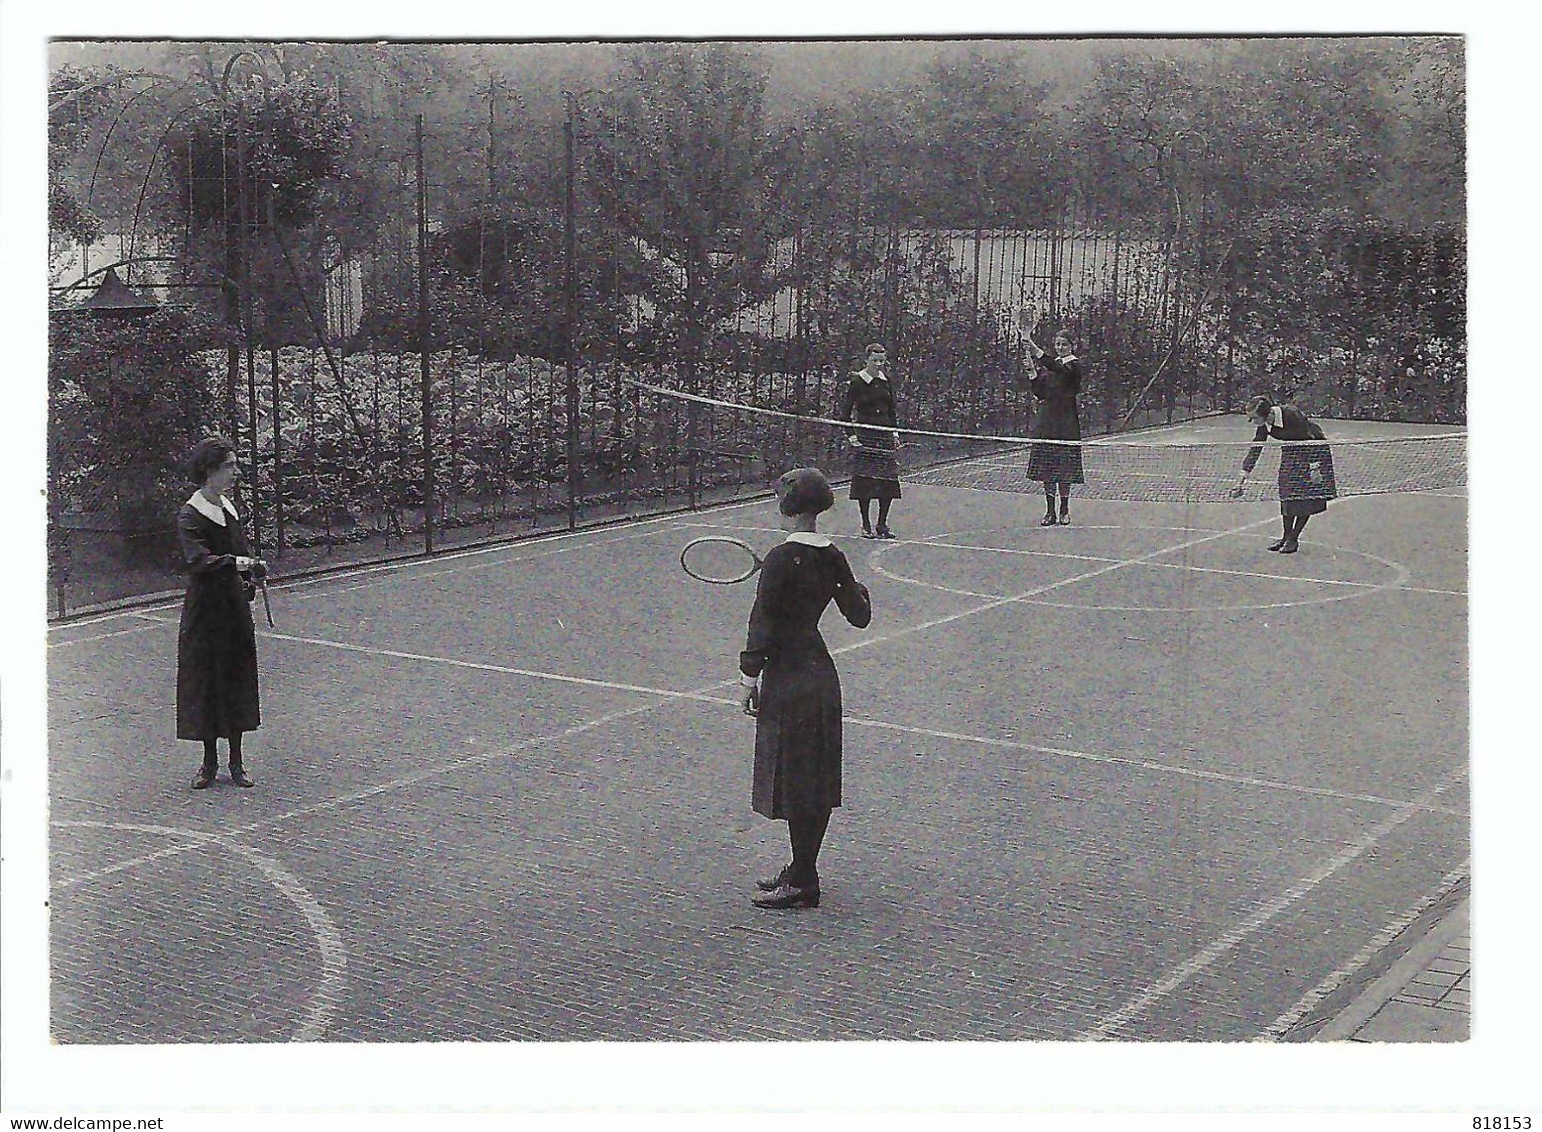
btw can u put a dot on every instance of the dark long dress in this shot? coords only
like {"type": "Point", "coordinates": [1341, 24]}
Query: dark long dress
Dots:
{"type": "Point", "coordinates": [1299, 494]}
{"type": "Point", "coordinates": [874, 465]}
{"type": "Point", "coordinates": [216, 641]}
{"type": "Point", "coordinates": [1056, 419]}
{"type": "Point", "coordinates": [798, 728]}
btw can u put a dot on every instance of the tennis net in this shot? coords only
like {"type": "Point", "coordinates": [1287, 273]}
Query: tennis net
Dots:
{"type": "Point", "coordinates": [747, 443]}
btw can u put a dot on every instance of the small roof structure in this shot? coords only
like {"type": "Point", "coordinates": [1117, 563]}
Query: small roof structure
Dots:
{"type": "Point", "coordinates": [114, 299]}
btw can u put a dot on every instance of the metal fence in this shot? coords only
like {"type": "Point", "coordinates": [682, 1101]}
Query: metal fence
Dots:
{"type": "Point", "coordinates": [421, 410]}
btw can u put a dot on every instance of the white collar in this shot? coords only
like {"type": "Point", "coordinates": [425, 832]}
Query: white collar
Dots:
{"type": "Point", "coordinates": [808, 538]}
{"type": "Point", "coordinates": [1067, 358]}
{"type": "Point", "coordinates": [209, 511]}
{"type": "Point", "coordinates": [869, 378]}
{"type": "Point", "coordinates": [1277, 417]}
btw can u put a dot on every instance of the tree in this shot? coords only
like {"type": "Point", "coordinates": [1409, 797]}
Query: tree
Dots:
{"type": "Point", "coordinates": [687, 177]}
{"type": "Point", "coordinates": [988, 142]}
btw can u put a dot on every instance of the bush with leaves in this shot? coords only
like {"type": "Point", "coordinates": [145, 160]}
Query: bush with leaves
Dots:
{"type": "Point", "coordinates": [127, 399]}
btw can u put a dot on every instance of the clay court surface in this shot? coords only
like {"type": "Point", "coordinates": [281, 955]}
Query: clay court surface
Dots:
{"type": "Point", "coordinates": [1133, 779]}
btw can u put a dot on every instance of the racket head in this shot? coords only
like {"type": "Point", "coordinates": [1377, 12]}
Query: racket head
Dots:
{"type": "Point", "coordinates": [719, 560]}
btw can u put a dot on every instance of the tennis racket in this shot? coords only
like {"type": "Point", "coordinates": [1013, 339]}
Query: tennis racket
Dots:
{"type": "Point", "coordinates": [266, 608]}
{"type": "Point", "coordinates": [720, 560]}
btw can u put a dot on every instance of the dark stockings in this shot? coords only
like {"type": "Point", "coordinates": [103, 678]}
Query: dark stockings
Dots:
{"type": "Point", "coordinates": [1294, 525]}
{"type": "Point", "coordinates": [1049, 498]}
{"type": "Point", "coordinates": [807, 832]}
{"type": "Point", "coordinates": [211, 759]}
{"type": "Point", "coordinates": [883, 513]}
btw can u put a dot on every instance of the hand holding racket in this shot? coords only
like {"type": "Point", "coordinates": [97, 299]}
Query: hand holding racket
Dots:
{"type": "Point", "coordinates": [857, 442]}
{"type": "Point", "coordinates": [720, 560]}
{"type": "Point", "coordinates": [260, 579]}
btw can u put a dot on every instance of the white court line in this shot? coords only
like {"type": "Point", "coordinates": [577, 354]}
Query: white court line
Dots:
{"type": "Point", "coordinates": [1373, 947]}
{"type": "Point", "coordinates": [1198, 569]}
{"type": "Point", "coordinates": [104, 636]}
{"type": "Point", "coordinates": [858, 721]}
{"type": "Point", "coordinates": [428, 775]}
{"type": "Point", "coordinates": [1148, 764]}
{"type": "Point", "coordinates": [580, 538]}
{"type": "Point", "coordinates": [1010, 599]}
{"type": "Point", "coordinates": [1399, 571]}
{"type": "Point", "coordinates": [612, 717]}
{"type": "Point", "coordinates": [1110, 1024]}
{"type": "Point", "coordinates": [334, 958]}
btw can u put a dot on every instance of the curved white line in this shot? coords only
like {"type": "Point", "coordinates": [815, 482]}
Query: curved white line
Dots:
{"type": "Point", "coordinates": [1401, 575]}
{"type": "Point", "coordinates": [334, 957]}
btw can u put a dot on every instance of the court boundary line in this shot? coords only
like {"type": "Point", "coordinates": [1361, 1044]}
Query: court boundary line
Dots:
{"type": "Point", "coordinates": [932, 540]}
{"type": "Point", "coordinates": [1137, 1005]}
{"type": "Point", "coordinates": [657, 702]}
{"type": "Point", "coordinates": [334, 955]}
{"type": "Point", "coordinates": [171, 600]}
{"type": "Point", "coordinates": [1400, 573]}
{"type": "Point", "coordinates": [664, 696]}
{"type": "Point", "coordinates": [1374, 946]}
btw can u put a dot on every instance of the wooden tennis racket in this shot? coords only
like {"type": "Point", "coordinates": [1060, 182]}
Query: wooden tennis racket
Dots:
{"type": "Point", "coordinates": [720, 560]}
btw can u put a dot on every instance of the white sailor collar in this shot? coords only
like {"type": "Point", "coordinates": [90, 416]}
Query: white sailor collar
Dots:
{"type": "Point", "coordinates": [210, 512]}
{"type": "Point", "coordinates": [1067, 358]}
{"type": "Point", "coordinates": [1276, 417]}
{"type": "Point", "coordinates": [808, 538]}
{"type": "Point", "coordinates": [869, 378]}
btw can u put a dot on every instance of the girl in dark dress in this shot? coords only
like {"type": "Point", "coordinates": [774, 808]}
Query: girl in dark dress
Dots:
{"type": "Point", "coordinates": [216, 641]}
{"type": "Point", "coordinates": [789, 683]}
{"type": "Point", "coordinates": [869, 400]}
{"type": "Point", "coordinates": [1307, 480]}
{"type": "Point", "coordinates": [1056, 419]}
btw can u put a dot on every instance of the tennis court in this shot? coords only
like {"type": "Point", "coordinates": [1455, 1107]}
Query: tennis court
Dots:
{"type": "Point", "coordinates": [1130, 779]}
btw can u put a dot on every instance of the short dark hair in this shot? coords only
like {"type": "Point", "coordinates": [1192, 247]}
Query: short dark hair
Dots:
{"type": "Point", "coordinates": [804, 491]}
{"type": "Point", "coordinates": [1258, 406]}
{"type": "Point", "coordinates": [212, 451]}
{"type": "Point", "coordinates": [1066, 334]}
{"type": "Point", "coordinates": [874, 348]}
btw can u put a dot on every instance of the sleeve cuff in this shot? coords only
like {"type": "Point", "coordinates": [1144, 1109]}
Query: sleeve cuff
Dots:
{"type": "Point", "coordinates": [749, 681]}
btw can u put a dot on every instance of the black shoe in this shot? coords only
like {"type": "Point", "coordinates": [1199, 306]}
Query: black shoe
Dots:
{"type": "Point", "coordinates": [779, 879]}
{"type": "Point", "coordinates": [1289, 546]}
{"type": "Point", "coordinates": [867, 532]}
{"type": "Point", "coordinates": [1278, 544]}
{"type": "Point", "coordinates": [885, 532]}
{"type": "Point", "coordinates": [1065, 518]}
{"type": "Point", "coordinates": [203, 779]}
{"type": "Point", "coordinates": [771, 883]}
{"type": "Point", "coordinates": [1048, 520]}
{"type": "Point", "coordinates": [789, 896]}
{"type": "Point", "coordinates": [240, 778]}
